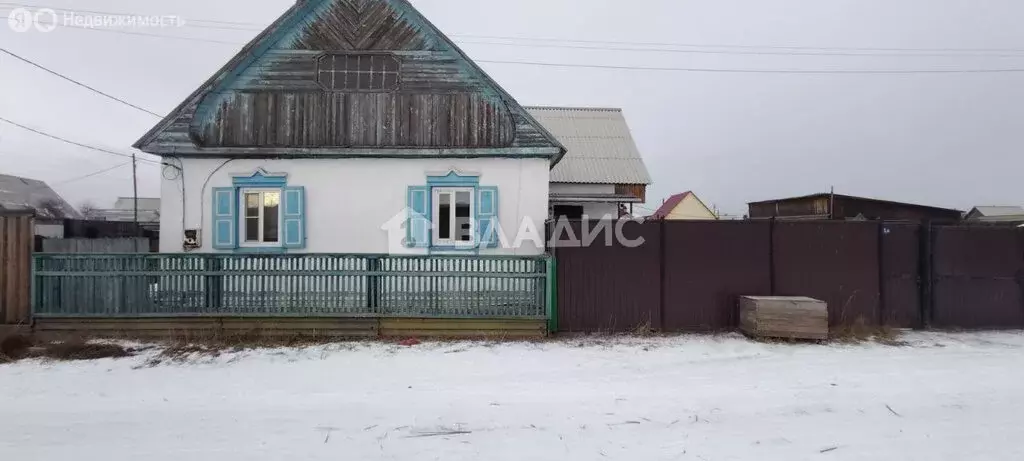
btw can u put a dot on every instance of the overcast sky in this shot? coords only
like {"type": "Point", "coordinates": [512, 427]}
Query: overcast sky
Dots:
{"type": "Point", "coordinates": [940, 139]}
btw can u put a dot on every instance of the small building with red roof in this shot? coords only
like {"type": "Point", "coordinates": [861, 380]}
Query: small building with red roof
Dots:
{"type": "Point", "coordinates": [684, 206]}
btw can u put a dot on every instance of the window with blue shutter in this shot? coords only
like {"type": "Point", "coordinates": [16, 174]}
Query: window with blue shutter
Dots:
{"type": "Point", "coordinates": [487, 216]}
{"type": "Point", "coordinates": [224, 220]}
{"type": "Point", "coordinates": [417, 227]}
{"type": "Point", "coordinates": [453, 212]}
{"type": "Point", "coordinates": [259, 213]}
{"type": "Point", "coordinates": [294, 217]}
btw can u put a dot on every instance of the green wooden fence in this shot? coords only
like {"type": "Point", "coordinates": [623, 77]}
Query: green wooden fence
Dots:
{"type": "Point", "coordinates": [137, 285]}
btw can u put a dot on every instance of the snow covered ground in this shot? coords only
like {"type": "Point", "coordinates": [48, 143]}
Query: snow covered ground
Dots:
{"type": "Point", "coordinates": [943, 397]}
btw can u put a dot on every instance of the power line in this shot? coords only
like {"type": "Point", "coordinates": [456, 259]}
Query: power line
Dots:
{"type": "Point", "coordinates": [676, 69]}
{"type": "Point", "coordinates": [68, 141]}
{"type": "Point", "coordinates": [76, 82]}
{"type": "Point", "coordinates": [759, 71]}
{"type": "Point", "coordinates": [95, 173]}
{"type": "Point", "coordinates": [820, 51]}
{"type": "Point", "coordinates": [772, 47]}
{"type": "Point", "coordinates": [749, 53]}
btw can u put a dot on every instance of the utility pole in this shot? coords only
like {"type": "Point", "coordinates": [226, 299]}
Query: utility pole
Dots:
{"type": "Point", "coordinates": [135, 192]}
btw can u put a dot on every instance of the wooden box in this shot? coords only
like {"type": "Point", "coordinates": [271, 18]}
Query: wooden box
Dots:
{"type": "Point", "coordinates": [791, 317]}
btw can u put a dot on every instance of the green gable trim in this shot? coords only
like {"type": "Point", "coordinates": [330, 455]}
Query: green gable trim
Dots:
{"type": "Point", "coordinates": [203, 106]}
{"type": "Point", "coordinates": [295, 152]}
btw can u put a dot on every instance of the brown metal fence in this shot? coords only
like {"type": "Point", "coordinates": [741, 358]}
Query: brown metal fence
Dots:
{"type": "Point", "coordinates": [834, 261]}
{"type": "Point", "coordinates": [687, 275]}
{"type": "Point", "coordinates": [609, 287]}
{"type": "Point", "coordinates": [976, 275]}
{"type": "Point", "coordinates": [705, 265]}
{"type": "Point", "coordinates": [16, 242]}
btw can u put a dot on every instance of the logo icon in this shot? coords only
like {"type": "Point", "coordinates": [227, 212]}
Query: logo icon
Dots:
{"type": "Point", "coordinates": [20, 20]}
{"type": "Point", "coordinates": [46, 20]}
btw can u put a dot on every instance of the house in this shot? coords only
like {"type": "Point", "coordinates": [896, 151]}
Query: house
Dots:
{"type": "Point", "coordinates": [684, 206]}
{"type": "Point", "coordinates": [50, 209]}
{"type": "Point", "coordinates": [602, 170]}
{"type": "Point", "coordinates": [996, 214]}
{"type": "Point", "coordinates": [124, 210]}
{"type": "Point", "coordinates": [847, 207]}
{"type": "Point", "coordinates": [344, 124]}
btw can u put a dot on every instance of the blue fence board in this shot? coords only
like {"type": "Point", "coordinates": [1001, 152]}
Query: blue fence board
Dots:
{"type": "Point", "coordinates": [132, 285]}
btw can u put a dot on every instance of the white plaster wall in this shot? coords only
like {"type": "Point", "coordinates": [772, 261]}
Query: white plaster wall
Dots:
{"type": "Point", "coordinates": [348, 200]}
{"type": "Point", "coordinates": [570, 188]}
{"type": "Point", "coordinates": [590, 210]}
{"type": "Point", "coordinates": [54, 231]}
{"type": "Point", "coordinates": [595, 210]}
{"type": "Point", "coordinates": [600, 210]}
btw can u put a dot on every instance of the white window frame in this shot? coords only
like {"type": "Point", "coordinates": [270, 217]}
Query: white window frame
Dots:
{"type": "Point", "coordinates": [435, 212]}
{"type": "Point", "coordinates": [242, 237]}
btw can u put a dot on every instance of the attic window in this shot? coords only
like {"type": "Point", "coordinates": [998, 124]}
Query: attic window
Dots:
{"type": "Point", "coordinates": [358, 72]}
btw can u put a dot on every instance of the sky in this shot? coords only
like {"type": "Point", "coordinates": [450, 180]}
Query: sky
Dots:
{"type": "Point", "coordinates": [942, 139]}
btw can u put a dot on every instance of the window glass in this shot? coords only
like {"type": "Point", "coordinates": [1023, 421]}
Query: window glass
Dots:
{"type": "Point", "coordinates": [369, 72]}
{"type": "Point", "coordinates": [453, 215]}
{"type": "Point", "coordinates": [252, 229]}
{"type": "Point", "coordinates": [271, 216]}
{"type": "Point", "coordinates": [261, 221]}
{"type": "Point", "coordinates": [252, 205]}
{"type": "Point", "coordinates": [463, 218]}
{"type": "Point", "coordinates": [444, 213]}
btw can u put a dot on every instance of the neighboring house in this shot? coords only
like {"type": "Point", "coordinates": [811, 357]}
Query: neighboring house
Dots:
{"type": "Point", "coordinates": [124, 210]}
{"type": "Point", "coordinates": [602, 170]}
{"type": "Point", "coordinates": [846, 207]}
{"type": "Point", "coordinates": [50, 208]}
{"type": "Point", "coordinates": [996, 214]}
{"type": "Point", "coordinates": [684, 206]}
{"type": "Point", "coordinates": [340, 120]}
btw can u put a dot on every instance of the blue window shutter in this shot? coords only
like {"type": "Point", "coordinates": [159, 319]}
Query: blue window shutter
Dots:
{"type": "Point", "coordinates": [487, 216]}
{"type": "Point", "coordinates": [293, 220]}
{"type": "Point", "coordinates": [225, 223]}
{"type": "Point", "coordinates": [417, 226]}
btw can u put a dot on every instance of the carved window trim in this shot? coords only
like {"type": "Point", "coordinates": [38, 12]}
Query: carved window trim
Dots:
{"type": "Point", "coordinates": [359, 72]}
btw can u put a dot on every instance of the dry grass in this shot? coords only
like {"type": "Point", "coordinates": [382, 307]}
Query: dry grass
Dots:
{"type": "Point", "coordinates": [17, 346]}
{"type": "Point", "coordinates": [860, 331]}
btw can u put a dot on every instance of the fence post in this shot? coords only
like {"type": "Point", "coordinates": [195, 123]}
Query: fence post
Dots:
{"type": "Point", "coordinates": [881, 273]}
{"type": "Point", "coordinates": [213, 285]}
{"type": "Point", "coordinates": [661, 275]}
{"type": "Point", "coordinates": [925, 273]}
{"type": "Point", "coordinates": [32, 302]}
{"type": "Point", "coordinates": [373, 284]}
{"type": "Point", "coordinates": [771, 256]}
{"type": "Point", "coordinates": [552, 293]}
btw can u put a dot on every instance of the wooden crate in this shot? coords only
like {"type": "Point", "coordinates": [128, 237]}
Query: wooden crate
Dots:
{"type": "Point", "coordinates": [791, 317]}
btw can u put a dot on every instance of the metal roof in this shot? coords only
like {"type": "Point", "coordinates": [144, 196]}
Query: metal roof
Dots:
{"type": "Point", "coordinates": [145, 203]}
{"type": "Point", "coordinates": [992, 211]}
{"type": "Point", "coordinates": [17, 193]}
{"type": "Point", "coordinates": [851, 197]}
{"type": "Point", "coordinates": [600, 147]}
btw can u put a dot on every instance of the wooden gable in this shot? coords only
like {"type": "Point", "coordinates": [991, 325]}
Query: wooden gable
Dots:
{"type": "Point", "coordinates": [281, 94]}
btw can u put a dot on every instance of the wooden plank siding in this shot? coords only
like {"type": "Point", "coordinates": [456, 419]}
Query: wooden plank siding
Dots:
{"type": "Point", "coordinates": [16, 242]}
{"type": "Point", "coordinates": [268, 101]}
{"type": "Point", "coordinates": [333, 119]}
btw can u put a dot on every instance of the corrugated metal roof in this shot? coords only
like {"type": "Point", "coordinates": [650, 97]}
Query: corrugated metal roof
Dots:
{"type": "Point", "coordinates": [991, 211]}
{"type": "Point", "coordinates": [18, 193]}
{"type": "Point", "coordinates": [145, 203]}
{"type": "Point", "coordinates": [600, 147]}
